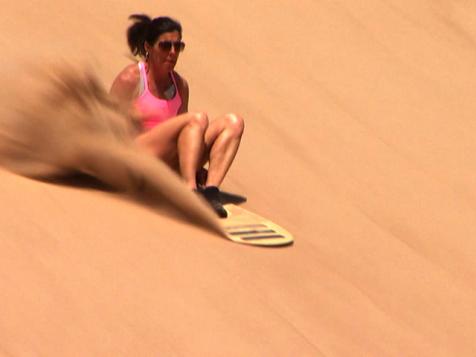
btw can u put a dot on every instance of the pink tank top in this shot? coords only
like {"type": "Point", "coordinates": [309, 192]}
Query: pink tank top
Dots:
{"type": "Point", "coordinates": [153, 109]}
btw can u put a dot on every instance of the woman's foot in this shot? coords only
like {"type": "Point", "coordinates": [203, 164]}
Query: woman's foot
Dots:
{"type": "Point", "coordinates": [212, 195]}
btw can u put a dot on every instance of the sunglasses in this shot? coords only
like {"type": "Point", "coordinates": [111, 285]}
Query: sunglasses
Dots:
{"type": "Point", "coordinates": [179, 46]}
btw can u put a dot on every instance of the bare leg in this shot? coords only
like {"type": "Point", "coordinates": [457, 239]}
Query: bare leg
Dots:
{"type": "Point", "coordinates": [222, 139]}
{"type": "Point", "coordinates": [191, 147]}
{"type": "Point", "coordinates": [179, 142]}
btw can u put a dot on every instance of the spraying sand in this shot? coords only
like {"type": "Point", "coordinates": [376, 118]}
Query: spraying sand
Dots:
{"type": "Point", "coordinates": [66, 123]}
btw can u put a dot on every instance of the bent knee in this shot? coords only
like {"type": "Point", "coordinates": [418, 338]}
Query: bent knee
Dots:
{"type": "Point", "coordinates": [235, 123]}
{"type": "Point", "coordinates": [199, 120]}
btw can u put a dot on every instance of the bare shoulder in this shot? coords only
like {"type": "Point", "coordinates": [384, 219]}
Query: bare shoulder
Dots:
{"type": "Point", "coordinates": [182, 85]}
{"type": "Point", "coordinates": [125, 84]}
{"type": "Point", "coordinates": [181, 82]}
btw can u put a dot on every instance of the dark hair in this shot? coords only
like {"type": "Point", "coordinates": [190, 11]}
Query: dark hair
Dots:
{"type": "Point", "coordinates": [144, 29]}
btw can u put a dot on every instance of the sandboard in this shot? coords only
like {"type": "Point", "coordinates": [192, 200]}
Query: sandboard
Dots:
{"type": "Point", "coordinates": [245, 227]}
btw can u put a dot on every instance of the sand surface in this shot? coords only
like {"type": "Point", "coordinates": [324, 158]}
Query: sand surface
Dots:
{"type": "Point", "coordinates": [360, 140]}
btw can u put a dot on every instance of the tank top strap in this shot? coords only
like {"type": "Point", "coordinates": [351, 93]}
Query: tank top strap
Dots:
{"type": "Point", "coordinates": [143, 85]}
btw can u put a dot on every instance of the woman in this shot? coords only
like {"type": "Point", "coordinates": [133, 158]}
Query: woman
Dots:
{"type": "Point", "coordinates": [158, 97]}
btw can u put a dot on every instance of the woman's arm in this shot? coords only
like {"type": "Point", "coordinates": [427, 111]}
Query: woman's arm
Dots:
{"type": "Point", "coordinates": [126, 85]}
{"type": "Point", "coordinates": [125, 89]}
{"type": "Point", "coordinates": [183, 91]}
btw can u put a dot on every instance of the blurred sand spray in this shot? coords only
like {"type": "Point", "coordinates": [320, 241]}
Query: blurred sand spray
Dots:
{"type": "Point", "coordinates": [63, 122]}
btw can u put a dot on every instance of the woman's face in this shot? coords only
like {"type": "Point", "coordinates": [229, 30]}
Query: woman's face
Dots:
{"type": "Point", "coordinates": [166, 50]}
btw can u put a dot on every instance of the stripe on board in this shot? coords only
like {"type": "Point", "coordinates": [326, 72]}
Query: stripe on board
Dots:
{"type": "Point", "coordinates": [263, 237]}
{"type": "Point", "coordinates": [239, 226]}
{"type": "Point", "coordinates": [252, 232]}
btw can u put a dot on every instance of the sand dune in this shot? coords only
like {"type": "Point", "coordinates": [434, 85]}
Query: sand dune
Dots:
{"type": "Point", "coordinates": [359, 140]}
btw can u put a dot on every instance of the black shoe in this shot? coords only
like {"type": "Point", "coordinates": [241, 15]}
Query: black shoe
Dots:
{"type": "Point", "coordinates": [212, 195]}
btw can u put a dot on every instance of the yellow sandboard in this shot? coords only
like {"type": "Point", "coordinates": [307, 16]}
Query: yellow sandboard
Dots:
{"type": "Point", "coordinates": [245, 227]}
